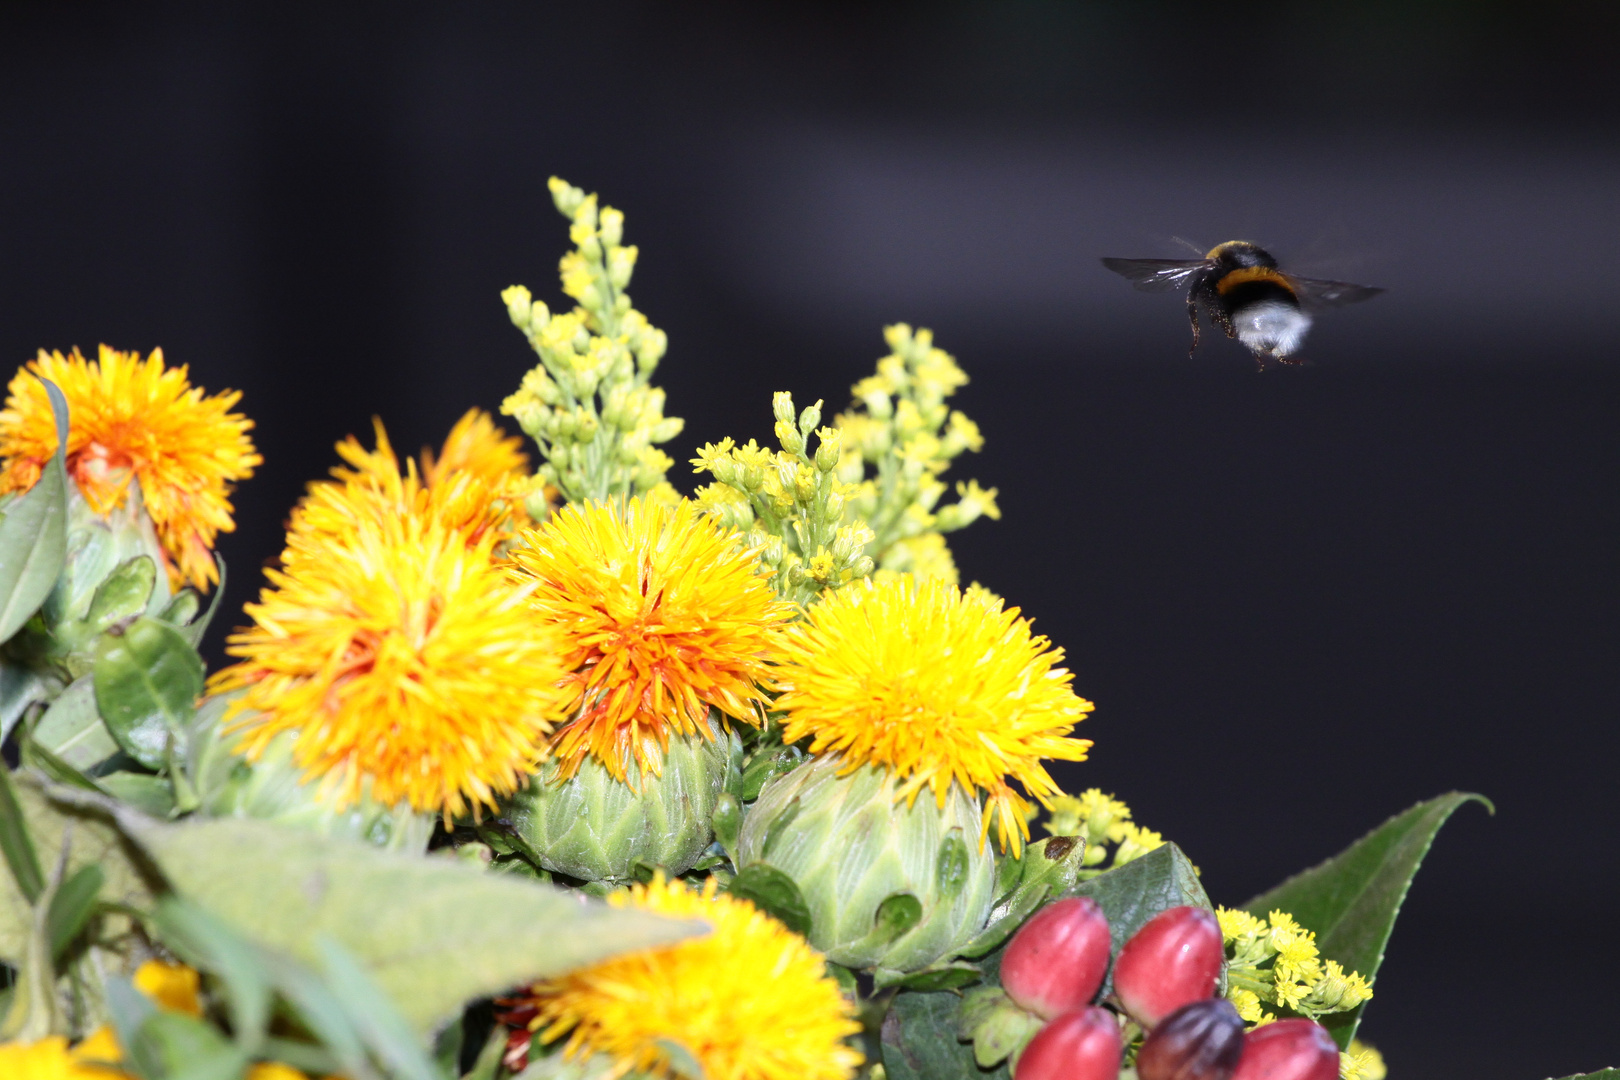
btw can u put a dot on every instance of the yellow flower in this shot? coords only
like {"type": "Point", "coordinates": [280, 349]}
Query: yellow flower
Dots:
{"type": "Point", "coordinates": [1362, 1062]}
{"type": "Point", "coordinates": [401, 654]}
{"type": "Point", "coordinates": [173, 987]}
{"type": "Point", "coordinates": [1247, 1003]}
{"type": "Point", "coordinates": [475, 484]}
{"type": "Point", "coordinates": [132, 419]}
{"type": "Point", "coordinates": [1236, 923]}
{"type": "Point", "coordinates": [751, 1001]}
{"type": "Point", "coordinates": [51, 1059]}
{"type": "Point", "coordinates": [662, 616]}
{"type": "Point", "coordinates": [938, 686]}
{"type": "Point", "coordinates": [273, 1070]}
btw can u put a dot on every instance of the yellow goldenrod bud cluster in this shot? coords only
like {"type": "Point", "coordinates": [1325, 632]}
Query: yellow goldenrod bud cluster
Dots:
{"type": "Point", "coordinates": [789, 503]}
{"type": "Point", "coordinates": [1112, 838]}
{"type": "Point", "coordinates": [589, 404]}
{"type": "Point", "coordinates": [1297, 978]}
{"type": "Point", "coordinates": [896, 441]}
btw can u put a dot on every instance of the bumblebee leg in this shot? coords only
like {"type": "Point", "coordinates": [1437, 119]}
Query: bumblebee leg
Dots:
{"type": "Point", "coordinates": [1219, 316]}
{"type": "Point", "coordinates": [1192, 314]}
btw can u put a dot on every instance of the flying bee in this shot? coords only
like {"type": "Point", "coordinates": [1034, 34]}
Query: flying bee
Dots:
{"type": "Point", "coordinates": [1243, 293]}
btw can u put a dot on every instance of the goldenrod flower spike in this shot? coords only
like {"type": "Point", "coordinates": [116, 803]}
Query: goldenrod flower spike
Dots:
{"type": "Point", "coordinates": [135, 420]}
{"type": "Point", "coordinates": [661, 617]}
{"type": "Point", "coordinates": [399, 651]}
{"type": "Point", "coordinates": [750, 1001]}
{"type": "Point", "coordinates": [937, 686]}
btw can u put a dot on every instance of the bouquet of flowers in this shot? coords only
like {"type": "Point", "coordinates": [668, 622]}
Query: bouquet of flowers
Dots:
{"type": "Point", "coordinates": [551, 772]}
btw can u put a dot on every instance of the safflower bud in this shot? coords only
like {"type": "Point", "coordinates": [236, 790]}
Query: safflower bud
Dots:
{"type": "Point", "coordinates": [1172, 960]}
{"type": "Point", "coordinates": [1289, 1050]}
{"type": "Point", "coordinates": [1056, 962]}
{"type": "Point", "coordinates": [1201, 1041]}
{"type": "Point", "coordinates": [1081, 1045]}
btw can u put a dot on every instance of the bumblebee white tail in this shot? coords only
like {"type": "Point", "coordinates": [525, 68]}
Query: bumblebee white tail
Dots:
{"type": "Point", "coordinates": [1271, 327]}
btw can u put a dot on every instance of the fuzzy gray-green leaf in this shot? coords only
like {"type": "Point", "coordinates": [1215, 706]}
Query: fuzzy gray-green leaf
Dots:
{"type": "Point", "coordinates": [433, 933]}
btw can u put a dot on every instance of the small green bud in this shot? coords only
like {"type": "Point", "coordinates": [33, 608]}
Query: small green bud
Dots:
{"type": "Point", "coordinates": [519, 303]}
{"type": "Point", "coordinates": [782, 407]}
{"type": "Point", "coordinates": [611, 228]}
{"type": "Point", "coordinates": [789, 437]}
{"type": "Point", "coordinates": [829, 448]}
{"type": "Point", "coordinates": [810, 419]}
{"type": "Point", "coordinates": [666, 429]}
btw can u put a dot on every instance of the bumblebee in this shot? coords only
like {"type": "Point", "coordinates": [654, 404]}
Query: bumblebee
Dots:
{"type": "Point", "coordinates": [1243, 293]}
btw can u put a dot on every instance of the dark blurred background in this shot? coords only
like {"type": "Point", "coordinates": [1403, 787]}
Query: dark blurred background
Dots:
{"type": "Point", "coordinates": [1302, 599]}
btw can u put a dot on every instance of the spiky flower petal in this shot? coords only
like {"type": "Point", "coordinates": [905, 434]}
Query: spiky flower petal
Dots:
{"type": "Point", "coordinates": [939, 687]}
{"type": "Point", "coordinates": [134, 419]}
{"type": "Point", "coordinates": [751, 1001]}
{"type": "Point", "coordinates": [663, 614]}
{"type": "Point", "coordinates": [403, 656]}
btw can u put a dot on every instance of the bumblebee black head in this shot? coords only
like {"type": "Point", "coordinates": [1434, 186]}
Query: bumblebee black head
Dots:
{"type": "Point", "coordinates": [1240, 254]}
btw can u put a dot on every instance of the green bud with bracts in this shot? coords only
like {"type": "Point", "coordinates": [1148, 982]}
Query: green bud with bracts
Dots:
{"type": "Point", "coordinates": [596, 828]}
{"type": "Point", "coordinates": [885, 885]}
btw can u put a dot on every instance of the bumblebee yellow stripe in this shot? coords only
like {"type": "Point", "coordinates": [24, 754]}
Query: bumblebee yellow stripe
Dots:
{"type": "Point", "coordinates": [1247, 274]}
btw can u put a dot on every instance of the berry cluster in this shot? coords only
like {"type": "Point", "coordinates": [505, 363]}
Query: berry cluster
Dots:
{"type": "Point", "coordinates": [1165, 980]}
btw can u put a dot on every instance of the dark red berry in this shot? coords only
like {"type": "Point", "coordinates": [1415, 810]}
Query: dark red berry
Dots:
{"type": "Point", "coordinates": [1201, 1041]}
{"type": "Point", "coordinates": [1081, 1045]}
{"type": "Point", "coordinates": [1289, 1050]}
{"type": "Point", "coordinates": [1173, 960]}
{"type": "Point", "coordinates": [1056, 962]}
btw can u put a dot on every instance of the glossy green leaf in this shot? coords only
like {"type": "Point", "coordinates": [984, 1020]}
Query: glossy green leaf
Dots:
{"type": "Point", "coordinates": [1601, 1074]}
{"type": "Point", "coordinates": [1352, 899]}
{"type": "Point", "coordinates": [434, 933]}
{"type": "Point", "coordinates": [33, 534]}
{"type": "Point", "coordinates": [72, 729]}
{"type": "Point", "coordinates": [1132, 894]}
{"type": "Point", "coordinates": [72, 906]}
{"type": "Point", "coordinates": [95, 840]}
{"type": "Point", "coordinates": [147, 681]}
{"type": "Point", "coordinates": [18, 847]}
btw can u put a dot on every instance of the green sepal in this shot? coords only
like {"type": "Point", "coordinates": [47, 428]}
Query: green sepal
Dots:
{"type": "Point", "coordinates": [997, 1028]}
{"type": "Point", "coordinates": [764, 768]}
{"type": "Point", "coordinates": [1048, 868]}
{"type": "Point", "coordinates": [1352, 899]}
{"type": "Point", "coordinates": [194, 629]}
{"type": "Point", "coordinates": [943, 976]}
{"type": "Point", "coordinates": [774, 893]}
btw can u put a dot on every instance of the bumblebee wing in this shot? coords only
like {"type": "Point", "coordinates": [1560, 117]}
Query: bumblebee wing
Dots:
{"type": "Point", "coordinates": [1316, 294]}
{"type": "Point", "coordinates": [1156, 275]}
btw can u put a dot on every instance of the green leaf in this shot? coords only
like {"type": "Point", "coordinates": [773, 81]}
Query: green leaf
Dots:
{"type": "Point", "coordinates": [920, 1032]}
{"type": "Point", "coordinates": [72, 906]}
{"type": "Point", "coordinates": [384, 1030]}
{"type": "Point", "coordinates": [1046, 868]}
{"type": "Point", "coordinates": [147, 681]}
{"type": "Point", "coordinates": [433, 933]}
{"type": "Point", "coordinates": [194, 630]}
{"type": "Point", "coordinates": [186, 1048]}
{"type": "Point", "coordinates": [774, 893]}
{"type": "Point", "coordinates": [33, 534]}
{"type": "Point", "coordinates": [1352, 899]}
{"type": "Point", "coordinates": [96, 840]}
{"type": "Point", "coordinates": [209, 945]}
{"type": "Point", "coordinates": [149, 794]}
{"type": "Point", "coordinates": [1601, 1074]}
{"type": "Point", "coordinates": [72, 729]}
{"type": "Point", "coordinates": [19, 687]}
{"type": "Point", "coordinates": [18, 848]}
{"type": "Point", "coordinates": [1132, 894]}
{"type": "Point", "coordinates": [129, 1009]}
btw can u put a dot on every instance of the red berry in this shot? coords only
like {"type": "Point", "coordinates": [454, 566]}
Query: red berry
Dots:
{"type": "Point", "coordinates": [1173, 960]}
{"type": "Point", "coordinates": [1289, 1050]}
{"type": "Point", "coordinates": [1056, 962]}
{"type": "Point", "coordinates": [1082, 1045]}
{"type": "Point", "coordinates": [1201, 1041]}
